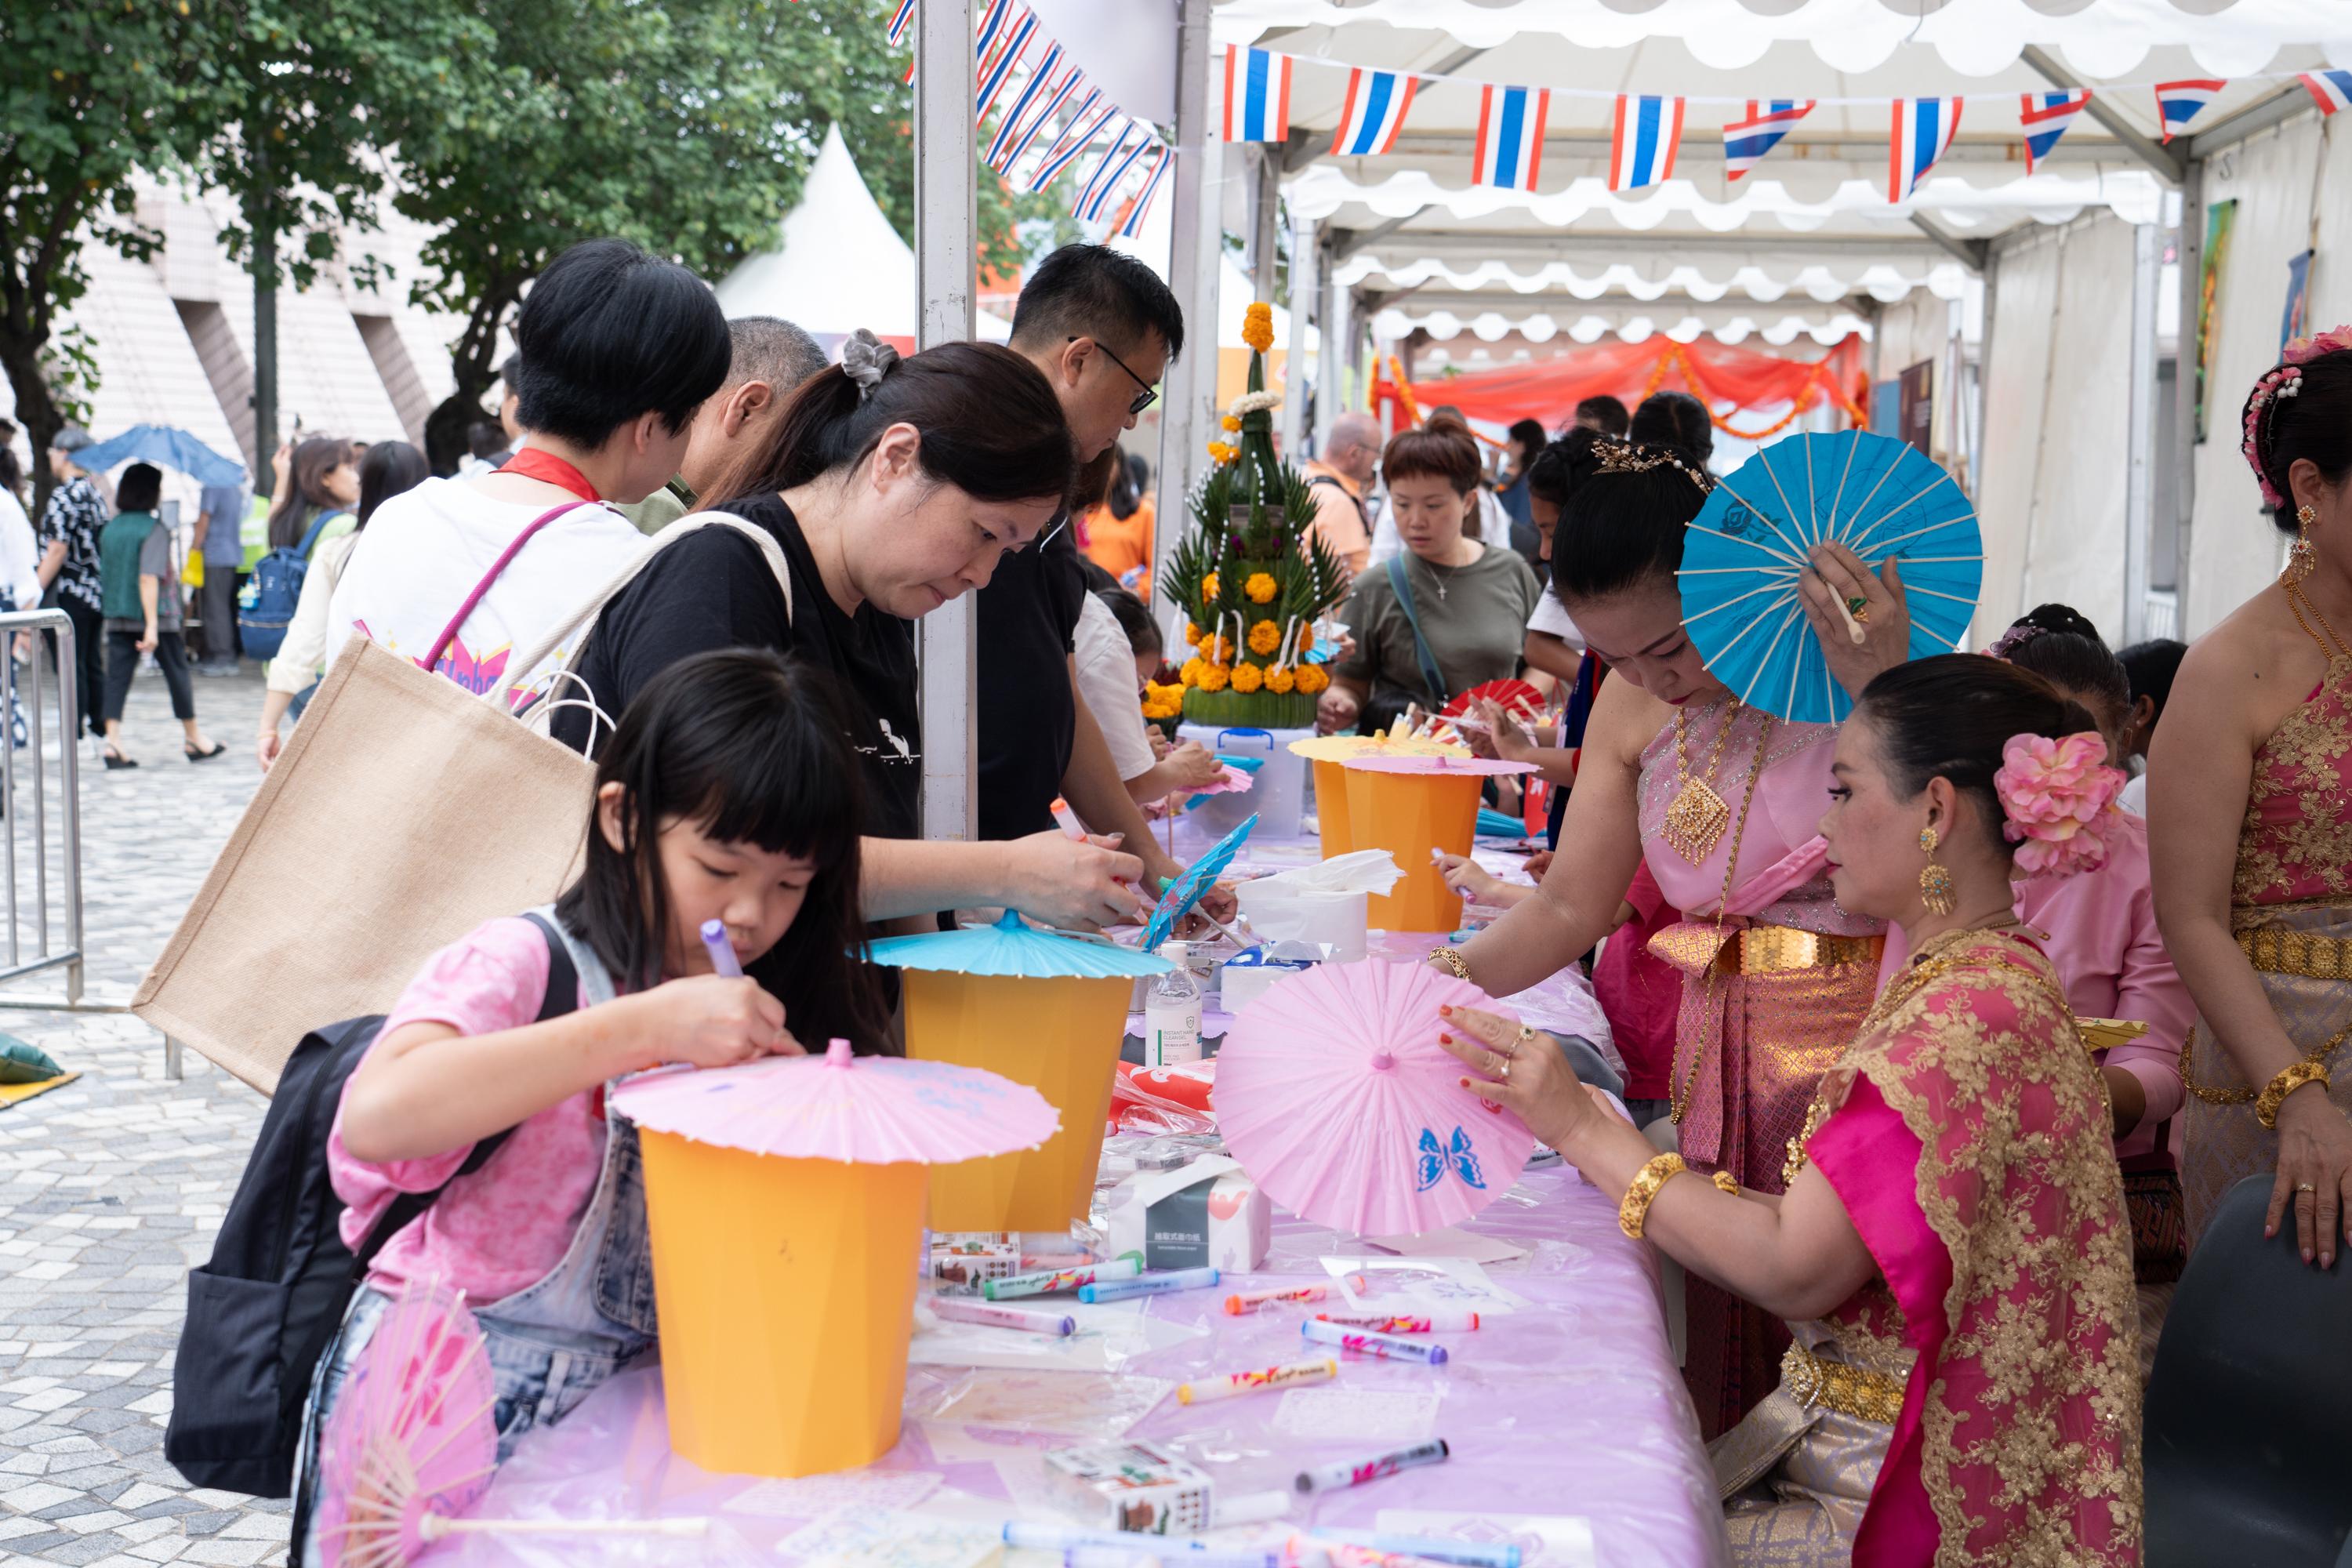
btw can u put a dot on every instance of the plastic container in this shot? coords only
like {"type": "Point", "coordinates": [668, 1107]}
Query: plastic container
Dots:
{"type": "Point", "coordinates": [1408, 815]}
{"type": "Point", "coordinates": [1278, 797]}
{"type": "Point", "coordinates": [1172, 1014]}
{"type": "Point", "coordinates": [786, 1302]}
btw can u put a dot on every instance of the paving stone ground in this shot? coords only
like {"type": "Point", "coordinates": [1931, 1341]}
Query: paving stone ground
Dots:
{"type": "Point", "coordinates": [113, 1185]}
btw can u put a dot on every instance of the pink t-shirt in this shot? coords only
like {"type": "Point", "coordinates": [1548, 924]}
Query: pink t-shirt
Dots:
{"type": "Point", "coordinates": [506, 1224]}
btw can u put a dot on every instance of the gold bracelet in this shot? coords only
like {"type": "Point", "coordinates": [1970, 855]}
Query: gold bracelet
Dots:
{"type": "Point", "coordinates": [1634, 1208]}
{"type": "Point", "coordinates": [1458, 966]}
{"type": "Point", "coordinates": [2289, 1079]}
{"type": "Point", "coordinates": [1726, 1183]}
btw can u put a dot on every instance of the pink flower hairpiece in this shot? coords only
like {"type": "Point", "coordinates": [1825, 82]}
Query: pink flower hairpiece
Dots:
{"type": "Point", "coordinates": [2283, 381]}
{"type": "Point", "coordinates": [2060, 798]}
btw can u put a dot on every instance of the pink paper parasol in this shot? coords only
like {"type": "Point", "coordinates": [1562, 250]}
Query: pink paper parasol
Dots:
{"type": "Point", "coordinates": [414, 1440]}
{"type": "Point", "coordinates": [1335, 1095]}
{"type": "Point", "coordinates": [1439, 766]}
{"type": "Point", "coordinates": [1513, 696]}
{"type": "Point", "coordinates": [865, 1111]}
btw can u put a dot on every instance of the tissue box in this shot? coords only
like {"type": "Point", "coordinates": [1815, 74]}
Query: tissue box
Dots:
{"type": "Point", "coordinates": [1251, 974]}
{"type": "Point", "coordinates": [964, 1259]}
{"type": "Point", "coordinates": [1133, 1487]}
{"type": "Point", "coordinates": [1207, 1213]}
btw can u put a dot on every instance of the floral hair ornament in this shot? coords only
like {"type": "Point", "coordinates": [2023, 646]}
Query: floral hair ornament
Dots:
{"type": "Point", "coordinates": [1630, 457]}
{"type": "Point", "coordinates": [2281, 382]}
{"type": "Point", "coordinates": [2060, 799]}
{"type": "Point", "coordinates": [2009, 641]}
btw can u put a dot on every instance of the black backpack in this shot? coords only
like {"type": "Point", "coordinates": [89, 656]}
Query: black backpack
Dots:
{"type": "Point", "coordinates": [264, 1309]}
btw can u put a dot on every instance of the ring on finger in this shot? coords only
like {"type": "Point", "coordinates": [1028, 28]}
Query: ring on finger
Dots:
{"type": "Point", "coordinates": [1527, 1037]}
{"type": "Point", "coordinates": [2305, 1187]}
{"type": "Point", "coordinates": [1858, 607]}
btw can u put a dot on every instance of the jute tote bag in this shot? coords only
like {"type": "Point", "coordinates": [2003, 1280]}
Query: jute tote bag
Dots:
{"type": "Point", "coordinates": [405, 812]}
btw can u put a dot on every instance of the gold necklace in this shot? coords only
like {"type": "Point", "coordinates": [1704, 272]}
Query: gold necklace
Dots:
{"type": "Point", "coordinates": [1696, 817]}
{"type": "Point", "coordinates": [1681, 1107]}
{"type": "Point", "coordinates": [2333, 647]}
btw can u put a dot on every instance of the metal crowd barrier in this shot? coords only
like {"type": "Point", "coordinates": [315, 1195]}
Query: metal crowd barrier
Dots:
{"type": "Point", "coordinates": [47, 937]}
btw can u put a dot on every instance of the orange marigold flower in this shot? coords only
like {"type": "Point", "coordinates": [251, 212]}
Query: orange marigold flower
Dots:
{"type": "Point", "coordinates": [1259, 588]}
{"type": "Point", "coordinates": [1247, 678]}
{"type": "Point", "coordinates": [1280, 681]}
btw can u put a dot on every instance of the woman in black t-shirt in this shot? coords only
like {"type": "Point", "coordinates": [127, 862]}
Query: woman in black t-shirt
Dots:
{"type": "Point", "coordinates": [892, 486]}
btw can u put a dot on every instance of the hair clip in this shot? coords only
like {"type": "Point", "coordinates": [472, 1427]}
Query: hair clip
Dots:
{"type": "Point", "coordinates": [1627, 457]}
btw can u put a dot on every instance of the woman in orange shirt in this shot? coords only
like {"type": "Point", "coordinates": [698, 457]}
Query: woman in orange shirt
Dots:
{"type": "Point", "coordinates": [1117, 534]}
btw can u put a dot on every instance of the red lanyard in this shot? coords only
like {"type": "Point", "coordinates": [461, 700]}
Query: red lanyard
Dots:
{"type": "Point", "coordinates": [531, 463]}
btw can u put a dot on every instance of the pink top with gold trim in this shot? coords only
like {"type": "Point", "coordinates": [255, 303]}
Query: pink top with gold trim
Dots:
{"type": "Point", "coordinates": [2295, 846]}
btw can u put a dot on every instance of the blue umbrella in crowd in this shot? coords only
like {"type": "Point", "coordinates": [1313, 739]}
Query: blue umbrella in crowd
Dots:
{"type": "Point", "coordinates": [166, 447]}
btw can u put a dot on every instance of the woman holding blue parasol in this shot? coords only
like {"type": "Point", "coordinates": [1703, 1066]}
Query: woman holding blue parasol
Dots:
{"type": "Point", "coordinates": [1707, 759]}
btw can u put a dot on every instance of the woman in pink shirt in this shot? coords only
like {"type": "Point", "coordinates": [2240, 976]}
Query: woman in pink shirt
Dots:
{"type": "Point", "coordinates": [727, 794]}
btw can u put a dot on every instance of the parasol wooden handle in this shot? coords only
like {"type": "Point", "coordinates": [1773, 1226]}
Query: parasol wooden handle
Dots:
{"type": "Point", "coordinates": [1852, 627]}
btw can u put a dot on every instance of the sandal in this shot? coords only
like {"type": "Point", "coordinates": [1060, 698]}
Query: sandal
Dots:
{"type": "Point", "coordinates": [194, 755]}
{"type": "Point", "coordinates": [115, 759]}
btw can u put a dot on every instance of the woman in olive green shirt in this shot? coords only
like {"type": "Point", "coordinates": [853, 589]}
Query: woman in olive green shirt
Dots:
{"type": "Point", "coordinates": [139, 597]}
{"type": "Point", "coordinates": [1472, 600]}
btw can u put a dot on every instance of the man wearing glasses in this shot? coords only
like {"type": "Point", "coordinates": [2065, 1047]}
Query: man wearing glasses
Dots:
{"type": "Point", "coordinates": [1338, 480]}
{"type": "Point", "coordinates": [1102, 327]}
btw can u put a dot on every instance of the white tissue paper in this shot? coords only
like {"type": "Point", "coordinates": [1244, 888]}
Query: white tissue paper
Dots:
{"type": "Point", "coordinates": [1328, 902]}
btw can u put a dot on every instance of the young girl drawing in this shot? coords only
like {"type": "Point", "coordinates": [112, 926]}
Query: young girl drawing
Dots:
{"type": "Point", "coordinates": [727, 794]}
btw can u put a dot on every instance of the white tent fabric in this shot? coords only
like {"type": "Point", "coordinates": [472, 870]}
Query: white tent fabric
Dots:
{"type": "Point", "coordinates": [1702, 278]}
{"type": "Point", "coordinates": [1540, 323]}
{"type": "Point", "coordinates": [838, 263]}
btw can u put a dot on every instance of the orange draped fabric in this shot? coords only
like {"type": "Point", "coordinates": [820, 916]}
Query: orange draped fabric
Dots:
{"type": "Point", "coordinates": [1549, 390]}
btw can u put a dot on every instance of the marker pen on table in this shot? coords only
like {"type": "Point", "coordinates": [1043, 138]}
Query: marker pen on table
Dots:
{"type": "Point", "coordinates": [1387, 1347]}
{"type": "Point", "coordinates": [1201, 1391]}
{"type": "Point", "coordinates": [1435, 1548]}
{"type": "Point", "coordinates": [1334, 1478]}
{"type": "Point", "coordinates": [1068, 819]}
{"type": "Point", "coordinates": [996, 1317]}
{"type": "Point", "coordinates": [1034, 1536]}
{"type": "Point", "coordinates": [1149, 1285]}
{"type": "Point", "coordinates": [1251, 1301]}
{"type": "Point", "coordinates": [722, 951]}
{"type": "Point", "coordinates": [1126, 1265]}
{"type": "Point", "coordinates": [1437, 1321]}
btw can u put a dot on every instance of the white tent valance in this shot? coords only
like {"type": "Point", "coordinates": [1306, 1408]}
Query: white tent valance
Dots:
{"type": "Point", "coordinates": [1829, 279]}
{"type": "Point", "coordinates": [1630, 323]}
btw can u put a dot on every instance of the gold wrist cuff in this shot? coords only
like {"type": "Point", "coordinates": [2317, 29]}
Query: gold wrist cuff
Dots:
{"type": "Point", "coordinates": [2289, 1079]}
{"type": "Point", "coordinates": [1455, 964]}
{"type": "Point", "coordinates": [1726, 1183]}
{"type": "Point", "coordinates": [1854, 1391]}
{"type": "Point", "coordinates": [1633, 1209]}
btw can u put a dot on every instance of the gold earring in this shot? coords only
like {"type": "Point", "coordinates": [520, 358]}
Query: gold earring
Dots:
{"type": "Point", "coordinates": [2303, 556]}
{"type": "Point", "coordinates": [1935, 881]}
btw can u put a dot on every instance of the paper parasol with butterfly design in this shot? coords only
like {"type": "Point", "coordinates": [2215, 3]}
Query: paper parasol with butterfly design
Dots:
{"type": "Point", "coordinates": [1748, 550]}
{"type": "Point", "coordinates": [1336, 1096]}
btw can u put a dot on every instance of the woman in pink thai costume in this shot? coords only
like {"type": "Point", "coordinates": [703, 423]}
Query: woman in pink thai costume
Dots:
{"type": "Point", "coordinates": [2247, 813]}
{"type": "Point", "coordinates": [1951, 1248]}
{"type": "Point", "coordinates": [1720, 801]}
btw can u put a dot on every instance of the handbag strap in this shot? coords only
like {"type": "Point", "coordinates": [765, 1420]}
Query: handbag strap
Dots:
{"type": "Point", "coordinates": [1427, 660]}
{"type": "Point", "coordinates": [514, 548]}
{"type": "Point", "coordinates": [530, 656]}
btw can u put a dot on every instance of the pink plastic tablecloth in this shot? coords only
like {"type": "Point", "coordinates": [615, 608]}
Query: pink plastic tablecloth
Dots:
{"type": "Point", "coordinates": [1571, 1410]}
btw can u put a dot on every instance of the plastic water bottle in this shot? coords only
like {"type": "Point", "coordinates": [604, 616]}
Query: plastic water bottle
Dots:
{"type": "Point", "coordinates": [1172, 1014]}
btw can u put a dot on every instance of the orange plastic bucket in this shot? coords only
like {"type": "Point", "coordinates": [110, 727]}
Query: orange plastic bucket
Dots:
{"type": "Point", "coordinates": [1331, 815]}
{"type": "Point", "coordinates": [787, 1295]}
{"type": "Point", "coordinates": [1060, 1036]}
{"type": "Point", "coordinates": [1408, 815]}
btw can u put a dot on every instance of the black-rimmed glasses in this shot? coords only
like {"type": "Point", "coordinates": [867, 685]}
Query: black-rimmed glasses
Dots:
{"type": "Point", "coordinates": [1147, 394]}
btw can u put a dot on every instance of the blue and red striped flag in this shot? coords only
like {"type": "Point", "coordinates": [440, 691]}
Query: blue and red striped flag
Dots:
{"type": "Point", "coordinates": [1257, 95]}
{"type": "Point", "coordinates": [1074, 137]}
{"type": "Point", "coordinates": [1923, 128]}
{"type": "Point", "coordinates": [2331, 90]}
{"type": "Point", "coordinates": [1509, 150]}
{"type": "Point", "coordinates": [2178, 102]}
{"type": "Point", "coordinates": [899, 21]}
{"type": "Point", "coordinates": [1131, 143]}
{"type": "Point", "coordinates": [995, 71]}
{"type": "Point", "coordinates": [1143, 199]}
{"type": "Point", "coordinates": [1747, 141]}
{"type": "Point", "coordinates": [992, 22]}
{"type": "Point", "coordinates": [1377, 104]}
{"type": "Point", "coordinates": [1649, 133]}
{"type": "Point", "coordinates": [2045, 117]}
{"type": "Point", "coordinates": [1036, 95]}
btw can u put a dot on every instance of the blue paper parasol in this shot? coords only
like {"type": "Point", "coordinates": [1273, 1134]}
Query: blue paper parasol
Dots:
{"type": "Point", "coordinates": [1749, 545]}
{"type": "Point", "coordinates": [1186, 890]}
{"type": "Point", "coordinates": [167, 448]}
{"type": "Point", "coordinates": [1013, 947]}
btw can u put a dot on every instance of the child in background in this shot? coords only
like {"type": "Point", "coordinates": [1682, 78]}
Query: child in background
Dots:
{"type": "Point", "coordinates": [727, 794]}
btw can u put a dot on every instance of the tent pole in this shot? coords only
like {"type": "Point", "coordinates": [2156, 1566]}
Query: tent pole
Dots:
{"type": "Point", "coordinates": [1265, 219]}
{"type": "Point", "coordinates": [946, 194]}
{"type": "Point", "coordinates": [2139, 489]}
{"type": "Point", "coordinates": [2190, 251]}
{"type": "Point", "coordinates": [1305, 290]}
{"type": "Point", "coordinates": [1335, 371]}
{"type": "Point", "coordinates": [1196, 244]}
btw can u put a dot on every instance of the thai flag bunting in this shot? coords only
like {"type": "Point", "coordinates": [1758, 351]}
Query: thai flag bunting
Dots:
{"type": "Point", "coordinates": [1923, 128]}
{"type": "Point", "coordinates": [1075, 139]}
{"type": "Point", "coordinates": [992, 22]}
{"type": "Point", "coordinates": [1134, 224]}
{"type": "Point", "coordinates": [1130, 144]}
{"type": "Point", "coordinates": [1649, 133]}
{"type": "Point", "coordinates": [1746, 142]}
{"type": "Point", "coordinates": [1509, 150]}
{"type": "Point", "coordinates": [900, 19]}
{"type": "Point", "coordinates": [997, 71]}
{"type": "Point", "coordinates": [2045, 117]}
{"type": "Point", "coordinates": [1377, 104]}
{"type": "Point", "coordinates": [1257, 95]}
{"type": "Point", "coordinates": [2331, 90]}
{"type": "Point", "coordinates": [2178, 102]}
{"type": "Point", "coordinates": [1037, 97]}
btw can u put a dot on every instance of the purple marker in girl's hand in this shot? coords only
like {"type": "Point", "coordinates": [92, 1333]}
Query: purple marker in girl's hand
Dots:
{"type": "Point", "coordinates": [722, 951]}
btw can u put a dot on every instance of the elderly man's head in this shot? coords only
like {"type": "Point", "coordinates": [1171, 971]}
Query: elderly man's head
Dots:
{"type": "Point", "coordinates": [1354, 448]}
{"type": "Point", "coordinates": [770, 358]}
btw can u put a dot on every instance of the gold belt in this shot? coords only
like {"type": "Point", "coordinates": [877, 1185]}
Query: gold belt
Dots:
{"type": "Point", "coordinates": [2275, 951]}
{"type": "Point", "coordinates": [1833, 1386]}
{"type": "Point", "coordinates": [1774, 949]}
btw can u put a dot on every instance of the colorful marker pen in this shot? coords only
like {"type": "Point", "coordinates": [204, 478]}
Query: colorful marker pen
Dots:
{"type": "Point", "coordinates": [1434, 1548]}
{"type": "Point", "coordinates": [1333, 1478]}
{"type": "Point", "coordinates": [1149, 1285]}
{"type": "Point", "coordinates": [722, 951]}
{"type": "Point", "coordinates": [1385, 1346]}
{"type": "Point", "coordinates": [996, 1317]}
{"type": "Point", "coordinates": [1293, 1375]}
{"type": "Point", "coordinates": [1127, 1266]}
{"type": "Point", "coordinates": [1438, 1321]}
{"type": "Point", "coordinates": [1068, 819]}
{"type": "Point", "coordinates": [1031, 1536]}
{"type": "Point", "coordinates": [1251, 1301]}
